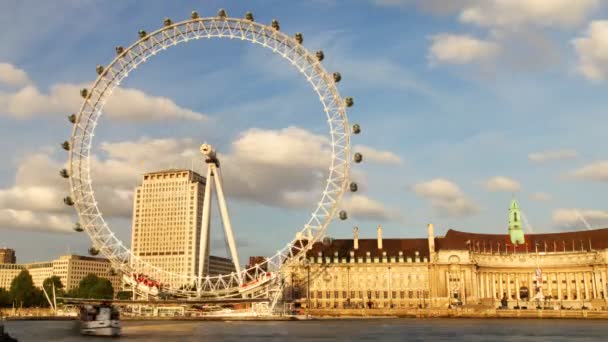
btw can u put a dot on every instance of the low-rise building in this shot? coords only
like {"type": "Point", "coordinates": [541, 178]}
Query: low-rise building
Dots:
{"type": "Point", "coordinates": [69, 268]}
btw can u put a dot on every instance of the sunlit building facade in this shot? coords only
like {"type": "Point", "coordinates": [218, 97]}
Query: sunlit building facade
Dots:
{"type": "Point", "coordinates": [568, 270]}
{"type": "Point", "coordinates": [167, 212]}
{"type": "Point", "coordinates": [7, 256]}
{"type": "Point", "coordinates": [69, 268]}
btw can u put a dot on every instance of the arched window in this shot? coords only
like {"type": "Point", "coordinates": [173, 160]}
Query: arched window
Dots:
{"type": "Point", "coordinates": [515, 216]}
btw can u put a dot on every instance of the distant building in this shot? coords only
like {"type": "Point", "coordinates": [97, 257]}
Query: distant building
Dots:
{"type": "Point", "coordinates": [69, 268]}
{"type": "Point", "coordinates": [256, 260]}
{"type": "Point", "coordinates": [558, 269]}
{"type": "Point", "coordinates": [218, 265]}
{"type": "Point", "coordinates": [7, 256]}
{"type": "Point", "coordinates": [167, 212]}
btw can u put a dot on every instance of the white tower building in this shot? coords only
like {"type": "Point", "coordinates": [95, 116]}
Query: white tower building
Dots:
{"type": "Point", "coordinates": [167, 213]}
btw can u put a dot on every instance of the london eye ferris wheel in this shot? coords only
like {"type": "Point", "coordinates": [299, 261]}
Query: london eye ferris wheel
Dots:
{"type": "Point", "coordinates": [171, 34]}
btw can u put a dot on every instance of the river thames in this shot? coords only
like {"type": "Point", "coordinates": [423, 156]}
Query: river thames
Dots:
{"type": "Point", "coordinates": [329, 330]}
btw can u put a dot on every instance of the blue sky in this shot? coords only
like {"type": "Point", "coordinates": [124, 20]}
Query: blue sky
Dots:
{"type": "Point", "coordinates": [464, 105]}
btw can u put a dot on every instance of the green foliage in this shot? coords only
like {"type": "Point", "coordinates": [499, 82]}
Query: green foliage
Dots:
{"type": "Point", "coordinates": [24, 293]}
{"type": "Point", "coordinates": [124, 295]}
{"type": "Point", "coordinates": [5, 298]}
{"type": "Point", "coordinates": [93, 287]}
{"type": "Point", "coordinates": [48, 286]}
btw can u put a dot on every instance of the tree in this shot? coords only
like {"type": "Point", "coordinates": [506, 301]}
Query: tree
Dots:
{"type": "Point", "coordinates": [5, 298]}
{"type": "Point", "coordinates": [124, 295]}
{"type": "Point", "coordinates": [48, 283]}
{"type": "Point", "coordinates": [93, 287]}
{"type": "Point", "coordinates": [24, 293]}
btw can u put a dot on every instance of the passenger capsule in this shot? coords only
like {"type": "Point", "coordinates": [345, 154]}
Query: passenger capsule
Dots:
{"type": "Point", "coordinates": [93, 251]}
{"type": "Point", "coordinates": [66, 145]}
{"type": "Point", "coordinates": [320, 55]}
{"type": "Point", "coordinates": [275, 24]}
{"type": "Point", "coordinates": [349, 101]}
{"type": "Point", "coordinates": [78, 228]}
{"type": "Point", "coordinates": [142, 34]}
{"type": "Point", "coordinates": [68, 201]}
{"type": "Point", "coordinates": [119, 50]}
{"type": "Point", "coordinates": [358, 157]}
{"type": "Point", "coordinates": [249, 16]}
{"type": "Point", "coordinates": [84, 92]}
{"type": "Point", "coordinates": [222, 13]}
{"type": "Point", "coordinates": [299, 38]}
{"type": "Point", "coordinates": [64, 173]}
{"type": "Point", "coordinates": [356, 129]}
{"type": "Point", "coordinates": [353, 187]}
{"type": "Point", "coordinates": [99, 69]}
{"type": "Point", "coordinates": [343, 215]}
{"type": "Point", "coordinates": [194, 15]}
{"type": "Point", "coordinates": [167, 22]}
{"type": "Point", "coordinates": [72, 118]}
{"type": "Point", "coordinates": [337, 77]}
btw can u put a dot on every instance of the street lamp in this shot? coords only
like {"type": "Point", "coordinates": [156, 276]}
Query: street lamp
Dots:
{"type": "Point", "coordinates": [307, 263]}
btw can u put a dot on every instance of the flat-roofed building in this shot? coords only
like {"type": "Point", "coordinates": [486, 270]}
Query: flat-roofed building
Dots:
{"type": "Point", "coordinates": [8, 272]}
{"type": "Point", "coordinates": [7, 256]}
{"type": "Point", "coordinates": [69, 268]}
{"type": "Point", "coordinates": [167, 212]}
{"type": "Point", "coordinates": [219, 265]}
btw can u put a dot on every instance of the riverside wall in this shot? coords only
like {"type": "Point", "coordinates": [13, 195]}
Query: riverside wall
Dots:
{"type": "Point", "coordinates": [459, 313]}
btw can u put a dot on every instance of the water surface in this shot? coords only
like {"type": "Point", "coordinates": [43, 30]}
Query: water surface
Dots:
{"type": "Point", "coordinates": [468, 330]}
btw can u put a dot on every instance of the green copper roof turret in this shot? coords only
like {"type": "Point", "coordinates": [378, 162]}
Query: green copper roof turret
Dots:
{"type": "Point", "coordinates": [515, 228]}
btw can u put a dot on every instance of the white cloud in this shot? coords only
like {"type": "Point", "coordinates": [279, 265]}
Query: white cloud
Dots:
{"type": "Point", "coordinates": [506, 13]}
{"type": "Point", "coordinates": [280, 168]}
{"type": "Point", "coordinates": [579, 218]}
{"type": "Point", "coordinates": [546, 156]}
{"type": "Point", "coordinates": [501, 183]}
{"type": "Point", "coordinates": [441, 7]}
{"type": "Point", "coordinates": [30, 220]}
{"type": "Point", "coordinates": [362, 73]}
{"type": "Point", "coordinates": [13, 76]}
{"type": "Point", "coordinates": [363, 207]}
{"type": "Point", "coordinates": [384, 157]}
{"type": "Point", "coordinates": [597, 171]}
{"type": "Point", "coordinates": [592, 51]}
{"type": "Point", "coordinates": [124, 104]}
{"type": "Point", "coordinates": [514, 13]}
{"type": "Point", "coordinates": [541, 197]}
{"type": "Point", "coordinates": [446, 197]}
{"type": "Point", "coordinates": [460, 49]}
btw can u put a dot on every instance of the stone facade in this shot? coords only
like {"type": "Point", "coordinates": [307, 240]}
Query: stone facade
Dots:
{"type": "Point", "coordinates": [549, 270]}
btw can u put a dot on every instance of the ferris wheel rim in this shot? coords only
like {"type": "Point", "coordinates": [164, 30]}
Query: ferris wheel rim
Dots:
{"type": "Point", "coordinates": [86, 206]}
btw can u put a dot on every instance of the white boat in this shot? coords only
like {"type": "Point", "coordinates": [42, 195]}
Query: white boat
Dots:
{"type": "Point", "coordinates": [99, 320]}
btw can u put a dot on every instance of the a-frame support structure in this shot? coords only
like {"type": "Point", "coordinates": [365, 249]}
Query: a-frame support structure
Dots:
{"type": "Point", "coordinates": [214, 178]}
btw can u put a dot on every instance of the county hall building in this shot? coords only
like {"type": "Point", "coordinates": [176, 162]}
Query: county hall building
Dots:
{"type": "Point", "coordinates": [566, 270]}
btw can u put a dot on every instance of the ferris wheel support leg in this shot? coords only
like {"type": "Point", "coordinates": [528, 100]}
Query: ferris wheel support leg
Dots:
{"type": "Point", "coordinates": [203, 256]}
{"type": "Point", "coordinates": [226, 220]}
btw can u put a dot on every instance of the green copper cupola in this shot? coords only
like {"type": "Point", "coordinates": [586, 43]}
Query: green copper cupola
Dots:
{"type": "Point", "coordinates": [515, 229]}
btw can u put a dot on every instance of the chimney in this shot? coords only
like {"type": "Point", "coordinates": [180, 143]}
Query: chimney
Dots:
{"type": "Point", "coordinates": [356, 238]}
{"type": "Point", "coordinates": [431, 237]}
{"type": "Point", "coordinates": [379, 237]}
